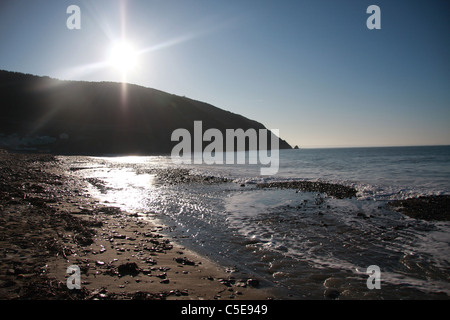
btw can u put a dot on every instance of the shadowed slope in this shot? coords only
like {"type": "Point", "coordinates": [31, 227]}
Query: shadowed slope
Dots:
{"type": "Point", "coordinates": [76, 117]}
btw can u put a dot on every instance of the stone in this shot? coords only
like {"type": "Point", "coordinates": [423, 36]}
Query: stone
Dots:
{"type": "Point", "coordinates": [253, 283]}
{"type": "Point", "coordinates": [130, 268]}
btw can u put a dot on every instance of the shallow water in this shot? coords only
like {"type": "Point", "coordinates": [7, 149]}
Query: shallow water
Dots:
{"type": "Point", "coordinates": [303, 244]}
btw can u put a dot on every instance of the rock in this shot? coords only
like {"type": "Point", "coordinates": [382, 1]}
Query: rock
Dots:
{"type": "Point", "coordinates": [431, 208]}
{"type": "Point", "coordinates": [185, 261]}
{"type": "Point", "coordinates": [225, 282]}
{"type": "Point", "coordinates": [130, 268]}
{"type": "Point", "coordinates": [10, 272]}
{"type": "Point", "coordinates": [333, 282]}
{"type": "Point", "coordinates": [164, 269]}
{"type": "Point", "coordinates": [331, 293]}
{"type": "Point", "coordinates": [253, 283]}
{"type": "Point", "coordinates": [146, 271]}
{"type": "Point", "coordinates": [241, 283]}
{"type": "Point", "coordinates": [150, 261]}
{"type": "Point", "coordinates": [362, 215]}
{"type": "Point", "coordinates": [334, 190]}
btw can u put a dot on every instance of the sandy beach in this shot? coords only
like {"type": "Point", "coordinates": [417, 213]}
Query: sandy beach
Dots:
{"type": "Point", "coordinates": [49, 223]}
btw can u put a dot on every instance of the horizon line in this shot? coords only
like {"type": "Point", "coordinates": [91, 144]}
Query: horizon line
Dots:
{"type": "Point", "coordinates": [377, 146]}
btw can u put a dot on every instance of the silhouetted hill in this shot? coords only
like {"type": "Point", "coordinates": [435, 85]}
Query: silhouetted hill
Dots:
{"type": "Point", "coordinates": [77, 117]}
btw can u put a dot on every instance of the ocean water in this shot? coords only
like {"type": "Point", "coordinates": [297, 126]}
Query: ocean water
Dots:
{"type": "Point", "coordinates": [303, 245]}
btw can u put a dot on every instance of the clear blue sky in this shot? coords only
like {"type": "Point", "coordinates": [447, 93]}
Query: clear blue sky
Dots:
{"type": "Point", "coordinates": [309, 68]}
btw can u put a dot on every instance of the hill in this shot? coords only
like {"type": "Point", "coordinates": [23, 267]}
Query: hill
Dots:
{"type": "Point", "coordinates": [96, 118]}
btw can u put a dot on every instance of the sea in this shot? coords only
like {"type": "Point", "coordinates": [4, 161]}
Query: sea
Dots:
{"type": "Point", "coordinates": [300, 245]}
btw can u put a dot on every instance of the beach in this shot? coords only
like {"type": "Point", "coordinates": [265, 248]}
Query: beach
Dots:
{"type": "Point", "coordinates": [48, 223]}
{"type": "Point", "coordinates": [143, 228]}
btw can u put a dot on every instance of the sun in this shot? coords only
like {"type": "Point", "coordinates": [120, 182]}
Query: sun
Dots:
{"type": "Point", "coordinates": [123, 57]}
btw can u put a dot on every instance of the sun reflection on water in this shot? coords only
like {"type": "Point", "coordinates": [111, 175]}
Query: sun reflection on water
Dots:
{"type": "Point", "coordinates": [123, 187]}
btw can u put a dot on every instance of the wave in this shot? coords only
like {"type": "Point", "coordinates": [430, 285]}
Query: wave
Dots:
{"type": "Point", "coordinates": [365, 191]}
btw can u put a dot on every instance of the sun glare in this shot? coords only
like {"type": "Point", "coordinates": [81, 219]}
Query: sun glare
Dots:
{"type": "Point", "coordinates": [123, 57]}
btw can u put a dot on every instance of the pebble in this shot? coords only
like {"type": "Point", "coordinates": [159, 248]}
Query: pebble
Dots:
{"type": "Point", "coordinates": [10, 272]}
{"type": "Point", "coordinates": [185, 261]}
{"type": "Point", "coordinates": [331, 293]}
{"type": "Point", "coordinates": [253, 283]}
{"type": "Point", "coordinates": [333, 282]}
{"type": "Point", "coordinates": [130, 268]}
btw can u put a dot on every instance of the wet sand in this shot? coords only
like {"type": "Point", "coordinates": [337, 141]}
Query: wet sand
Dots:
{"type": "Point", "coordinates": [49, 223]}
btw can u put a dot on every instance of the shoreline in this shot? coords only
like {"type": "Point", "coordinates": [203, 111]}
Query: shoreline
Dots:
{"type": "Point", "coordinates": [48, 224]}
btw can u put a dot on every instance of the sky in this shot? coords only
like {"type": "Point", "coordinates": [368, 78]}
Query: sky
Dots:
{"type": "Point", "coordinates": [312, 69]}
